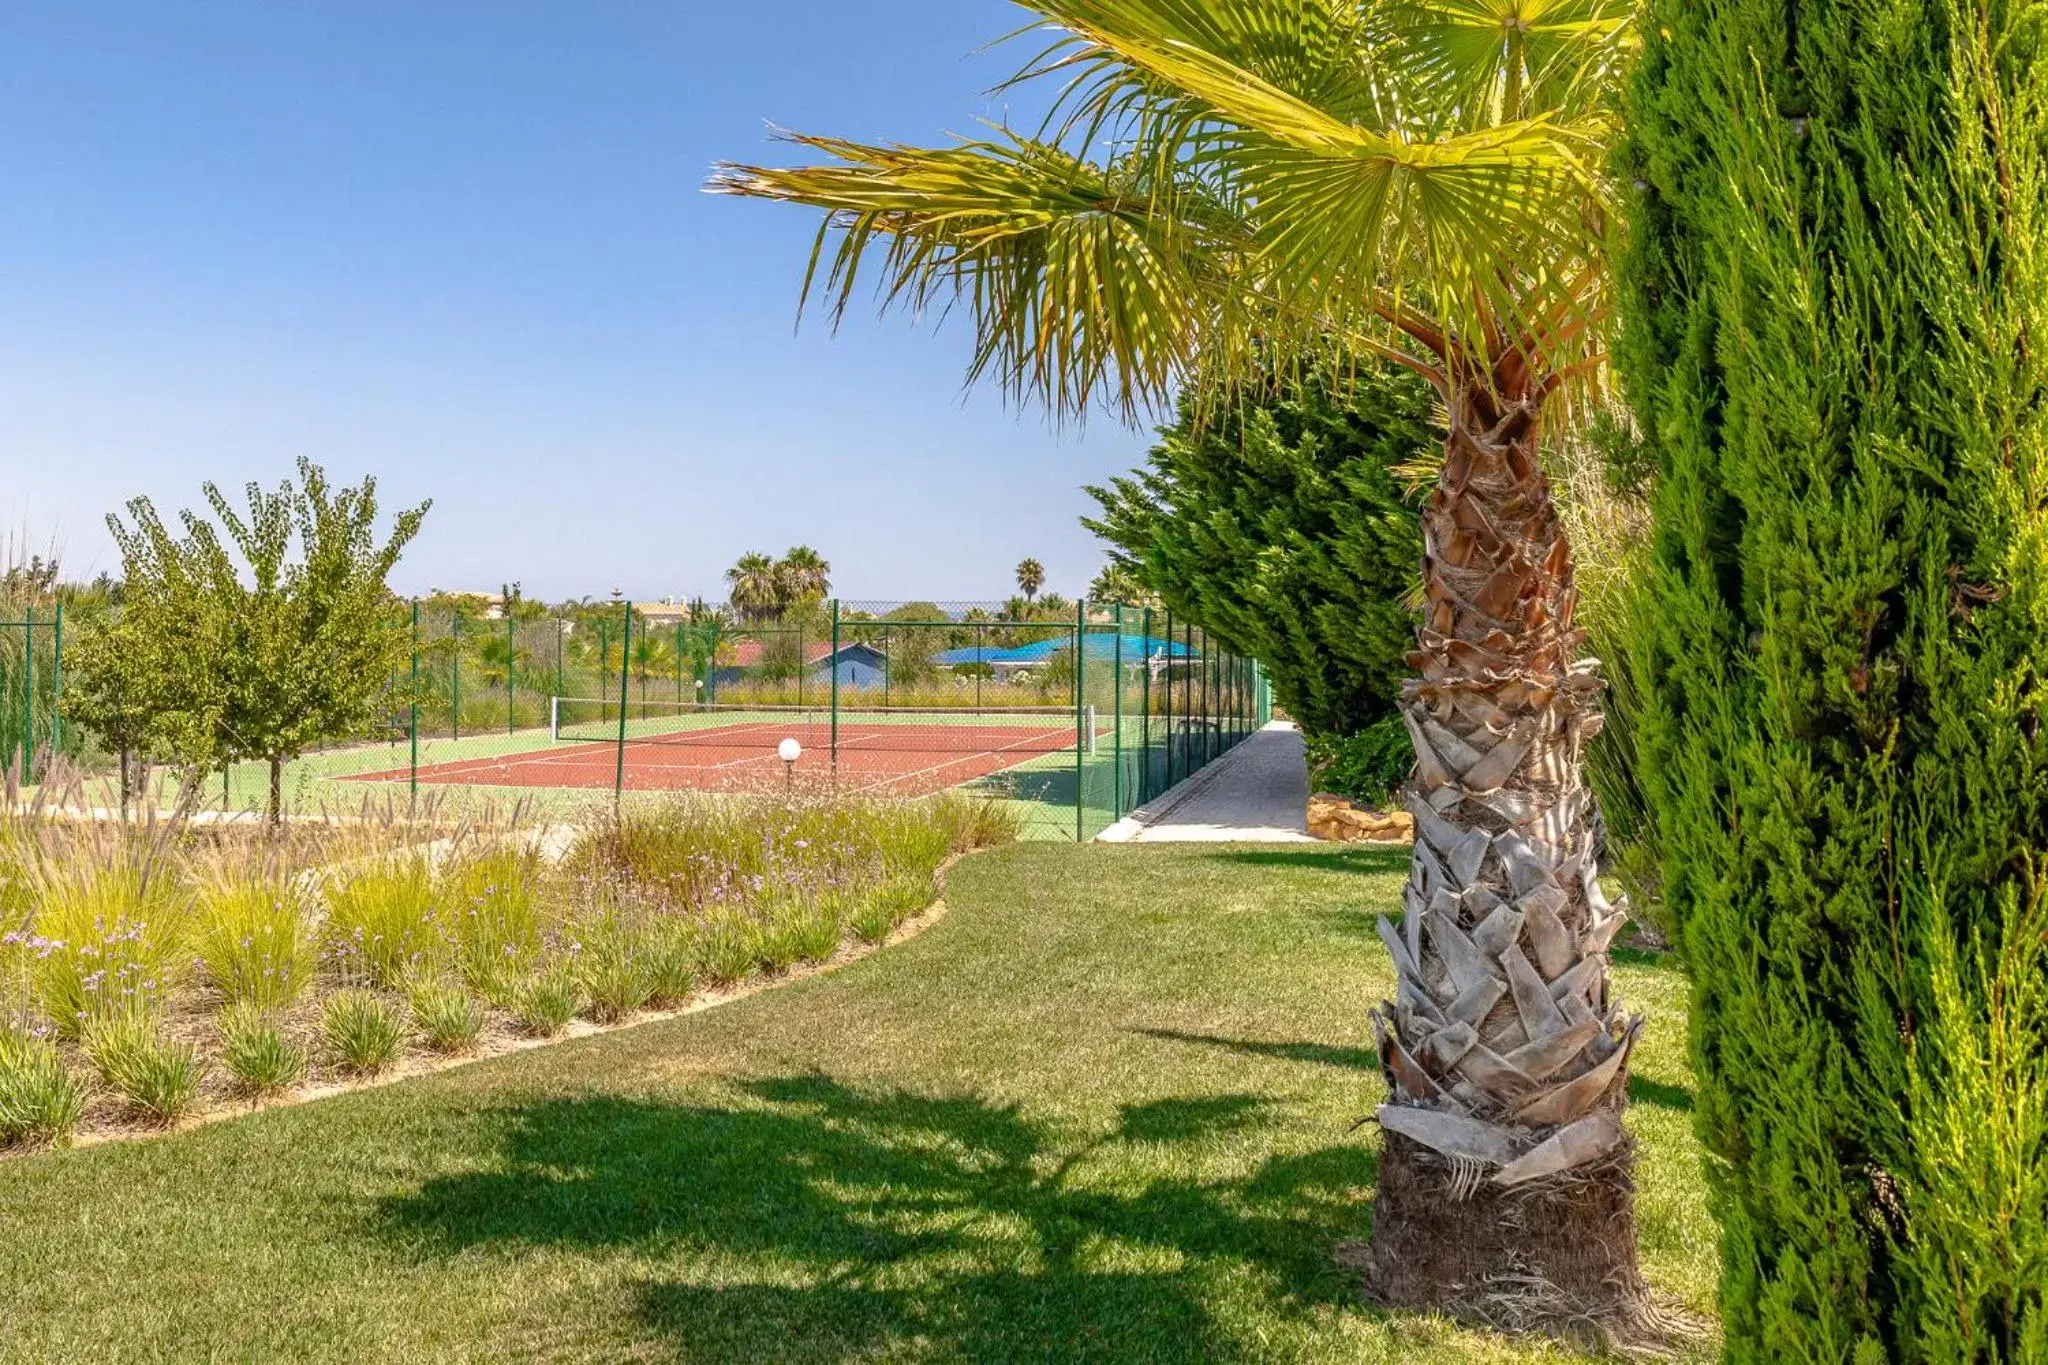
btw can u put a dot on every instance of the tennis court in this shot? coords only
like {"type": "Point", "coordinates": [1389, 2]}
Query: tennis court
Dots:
{"type": "Point", "coordinates": [656, 747]}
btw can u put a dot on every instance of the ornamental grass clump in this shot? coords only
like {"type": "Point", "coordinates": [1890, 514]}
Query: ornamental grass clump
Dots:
{"type": "Point", "coordinates": [252, 939]}
{"type": "Point", "coordinates": [259, 1058]}
{"type": "Point", "coordinates": [614, 967]}
{"type": "Point", "coordinates": [725, 947]}
{"type": "Point", "coordinates": [40, 1101]}
{"type": "Point", "coordinates": [446, 1017]}
{"type": "Point", "coordinates": [382, 920]}
{"type": "Point", "coordinates": [158, 1079]}
{"type": "Point", "coordinates": [493, 902]}
{"type": "Point", "coordinates": [547, 1001]}
{"type": "Point", "coordinates": [364, 1031]}
{"type": "Point", "coordinates": [109, 939]}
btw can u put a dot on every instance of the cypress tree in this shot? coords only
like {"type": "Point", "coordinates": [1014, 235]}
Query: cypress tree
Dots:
{"type": "Point", "coordinates": [1837, 322]}
{"type": "Point", "coordinates": [1279, 526]}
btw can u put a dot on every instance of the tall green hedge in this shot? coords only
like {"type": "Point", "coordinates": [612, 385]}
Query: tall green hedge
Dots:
{"type": "Point", "coordinates": [1837, 299]}
{"type": "Point", "coordinates": [1279, 527]}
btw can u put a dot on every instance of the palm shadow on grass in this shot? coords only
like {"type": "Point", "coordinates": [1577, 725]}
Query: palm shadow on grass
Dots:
{"type": "Point", "coordinates": [1354, 1058]}
{"type": "Point", "coordinates": [1368, 860]}
{"type": "Point", "coordinates": [813, 1220]}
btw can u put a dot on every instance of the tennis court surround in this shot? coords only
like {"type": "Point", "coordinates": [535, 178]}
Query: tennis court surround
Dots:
{"type": "Point", "coordinates": [1073, 716]}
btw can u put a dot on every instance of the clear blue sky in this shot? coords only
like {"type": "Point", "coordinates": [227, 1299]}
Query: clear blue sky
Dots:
{"type": "Point", "coordinates": [463, 245]}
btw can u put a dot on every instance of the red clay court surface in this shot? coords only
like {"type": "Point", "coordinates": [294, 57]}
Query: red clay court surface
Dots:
{"type": "Point", "coordinates": [882, 759]}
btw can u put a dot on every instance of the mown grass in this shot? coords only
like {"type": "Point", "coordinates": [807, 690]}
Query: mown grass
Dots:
{"type": "Point", "coordinates": [1101, 1111]}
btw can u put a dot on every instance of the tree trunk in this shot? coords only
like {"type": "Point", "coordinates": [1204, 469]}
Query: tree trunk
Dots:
{"type": "Point", "coordinates": [127, 789]}
{"type": "Point", "coordinates": [1505, 1181]}
{"type": "Point", "coordinates": [276, 791]}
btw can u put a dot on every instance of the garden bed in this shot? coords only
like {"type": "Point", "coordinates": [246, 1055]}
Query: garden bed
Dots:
{"type": "Point", "coordinates": [158, 973]}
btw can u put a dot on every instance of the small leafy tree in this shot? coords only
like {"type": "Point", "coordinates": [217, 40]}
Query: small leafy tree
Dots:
{"type": "Point", "coordinates": [260, 655]}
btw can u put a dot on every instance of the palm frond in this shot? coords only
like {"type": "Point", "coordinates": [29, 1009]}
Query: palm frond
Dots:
{"type": "Point", "coordinates": [1078, 276]}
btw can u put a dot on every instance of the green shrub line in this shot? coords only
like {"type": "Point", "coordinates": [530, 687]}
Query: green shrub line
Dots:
{"type": "Point", "coordinates": [271, 965]}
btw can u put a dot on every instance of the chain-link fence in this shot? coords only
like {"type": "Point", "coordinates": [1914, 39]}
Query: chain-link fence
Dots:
{"type": "Point", "coordinates": [1070, 715]}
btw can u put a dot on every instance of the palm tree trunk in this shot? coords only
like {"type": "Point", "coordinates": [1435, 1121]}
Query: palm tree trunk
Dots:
{"type": "Point", "coordinates": [1506, 1179]}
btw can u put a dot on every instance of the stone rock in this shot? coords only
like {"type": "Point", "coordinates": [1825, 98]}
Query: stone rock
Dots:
{"type": "Point", "coordinates": [1343, 820]}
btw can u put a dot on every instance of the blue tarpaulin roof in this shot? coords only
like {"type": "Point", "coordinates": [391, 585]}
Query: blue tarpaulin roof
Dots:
{"type": "Point", "coordinates": [1100, 645]}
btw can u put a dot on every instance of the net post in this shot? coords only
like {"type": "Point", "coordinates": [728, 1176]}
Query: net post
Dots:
{"type": "Point", "coordinates": [1085, 733]}
{"type": "Point", "coordinates": [625, 666]}
{"type": "Point", "coordinates": [554, 720]}
{"type": "Point", "coordinates": [835, 689]}
{"type": "Point", "coordinates": [413, 716]}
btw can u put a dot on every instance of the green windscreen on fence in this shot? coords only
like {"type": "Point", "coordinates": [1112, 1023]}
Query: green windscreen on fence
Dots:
{"type": "Point", "coordinates": [1071, 715]}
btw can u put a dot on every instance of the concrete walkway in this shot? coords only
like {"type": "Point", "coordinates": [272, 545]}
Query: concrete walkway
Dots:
{"type": "Point", "coordinates": [1256, 793]}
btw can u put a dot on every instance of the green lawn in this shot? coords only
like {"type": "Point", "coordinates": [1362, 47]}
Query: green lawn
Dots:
{"type": "Point", "coordinates": [1100, 1111]}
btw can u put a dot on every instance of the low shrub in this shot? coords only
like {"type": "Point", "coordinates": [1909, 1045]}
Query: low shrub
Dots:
{"type": "Point", "coordinates": [259, 1058]}
{"type": "Point", "coordinates": [382, 924]}
{"type": "Point", "coordinates": [158, 1079]}
{"type": "Point", "coordinates": [1369, 767]}
{"type": "Point", "coordinates": [448, 1019]}
{"type": "Point", "coordinates": [363, 1030]}
{"type": "Point", "coordinates": [251, 939]}
{"type": "Point", "coordinates": [546, 1002]}
{"type": "Point", "coordinates": [40, 1101]}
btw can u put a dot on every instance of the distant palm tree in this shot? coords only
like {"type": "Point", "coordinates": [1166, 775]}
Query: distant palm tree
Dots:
{"type": "Point", "coordinates": [753, 587]}
{"type": "Point", "coordinates": [805, 576]}
{"type": "Point", "coordinates": [1030, 578]}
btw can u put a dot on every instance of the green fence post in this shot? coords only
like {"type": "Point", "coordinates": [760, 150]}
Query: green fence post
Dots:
{"type": "Point", "coordinates": [561, 678]}
{"type": "Point", "coordinates": [28, 697]}
{"type": "Point", "coordinates": [57, 684]}
{"type": "Point", "coordinates": [980, 659]}
{"type": "Point", "coordinates": [414, 725]}
{"type": "Point", "coordinates": [455, 677]}
{"type": "Point", "coordinates": [625, 667]}
{"type": "Point", "coordinates": [835, 690]}
{"type": "Point", "coordinates": [679, 665]}
{"type": "Point", "coordinates": [511, 668]}
{"type": "Point", "coordinates": [1144, 792]}
{"type": "Point", "coordinates": [1081, 727]}
{"type": "Point", "coordinates": [1116, 800]}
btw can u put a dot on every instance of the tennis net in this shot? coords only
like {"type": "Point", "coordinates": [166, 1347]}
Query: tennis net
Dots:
{"type": "Point", "coordinates": [918, 729]}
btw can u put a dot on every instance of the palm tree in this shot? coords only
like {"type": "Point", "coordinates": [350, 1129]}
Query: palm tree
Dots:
{"type": "Point", "coordinates": [1222, 190]}
{"type": "Point", "coordinates": [805, 576]}
{"type": "Point", "coordinates": [754, 587]}
{"type": "Point", "coordinates": [1030, 578]}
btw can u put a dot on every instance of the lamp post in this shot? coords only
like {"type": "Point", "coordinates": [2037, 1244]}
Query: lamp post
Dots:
{"type": "Point", "coordinates": [789, 751]}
